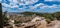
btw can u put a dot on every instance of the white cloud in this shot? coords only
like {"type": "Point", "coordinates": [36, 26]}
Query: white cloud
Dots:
{"type": "Point", "coordinates": [53, 0]}
{"type": "Point", "coordinates": [5, 5]}
{"type": "Point", "coordinates": [31, 1]}
{"type": "Point", "coordinates": [23, 2]}
{"type": "Point", "coordinates": [13, 4]}
{"type": "Point", "coordinates": [51, 7]}
{"type": "Point", "coordinates": [13, 1]}
{"type": "Point", "coordinates": [27, 2]}
{"type": "Point", "coordinates": [43, 6]}
{"type": "Point", "coordinates": [0, 1]}
{"type": "Point", "coordinates": [9, 6]}
{"type": "Point", "coordinates": [31, 7]}
{"type": "Point", "coordinates": [39, 5]}
{"type": "Point", "coordinates": [4, 9]}
{"type": "Point", "coordinates": [48, 0]}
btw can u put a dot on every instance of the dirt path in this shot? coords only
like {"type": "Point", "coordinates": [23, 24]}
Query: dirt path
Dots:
{"type": "Point", "coordinates": [57, 25]}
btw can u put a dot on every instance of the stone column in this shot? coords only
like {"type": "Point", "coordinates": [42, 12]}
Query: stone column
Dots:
{"type": "Point", "coordinates": [1, 19]}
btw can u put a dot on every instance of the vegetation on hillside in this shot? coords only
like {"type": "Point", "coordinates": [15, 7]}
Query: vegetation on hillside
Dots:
{"type": "Point", "coordinates": [5, 19]}
{"type": "Point", "coordinates": [49, 16]}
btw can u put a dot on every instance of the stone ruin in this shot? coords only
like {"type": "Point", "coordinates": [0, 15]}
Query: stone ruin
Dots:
{"type": "Point", "coordinates": [37, 22]}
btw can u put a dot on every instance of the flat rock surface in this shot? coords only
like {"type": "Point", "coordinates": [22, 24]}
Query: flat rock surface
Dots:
{"type": "Point", "coordinates": [57, 25]}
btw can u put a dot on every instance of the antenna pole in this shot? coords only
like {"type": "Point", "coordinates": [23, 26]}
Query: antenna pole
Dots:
{"type": "Point", "coordinates": [1, 19]}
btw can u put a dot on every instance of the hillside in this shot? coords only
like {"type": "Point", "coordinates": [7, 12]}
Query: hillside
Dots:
{"type": "Point", "coordinates": [48, 16]}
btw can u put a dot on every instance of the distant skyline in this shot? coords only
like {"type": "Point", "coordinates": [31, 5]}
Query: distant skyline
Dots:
{"type": "Point", "coordinates": [49, 6]}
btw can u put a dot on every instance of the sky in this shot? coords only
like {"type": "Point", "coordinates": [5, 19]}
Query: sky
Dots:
{"type": "Point", "coordinates": [49, 6]}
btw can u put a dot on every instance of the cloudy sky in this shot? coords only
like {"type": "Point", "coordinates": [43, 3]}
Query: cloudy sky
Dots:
{"type": "Point", "coordinates": [31, 5]}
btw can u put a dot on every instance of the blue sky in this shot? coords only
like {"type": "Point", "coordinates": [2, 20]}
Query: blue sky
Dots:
{"type": "Point", "coordinates": [31, 5]}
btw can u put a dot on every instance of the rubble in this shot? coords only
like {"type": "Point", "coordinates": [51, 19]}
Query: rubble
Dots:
{"type": "Point", "coordinates": [37, 22]}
